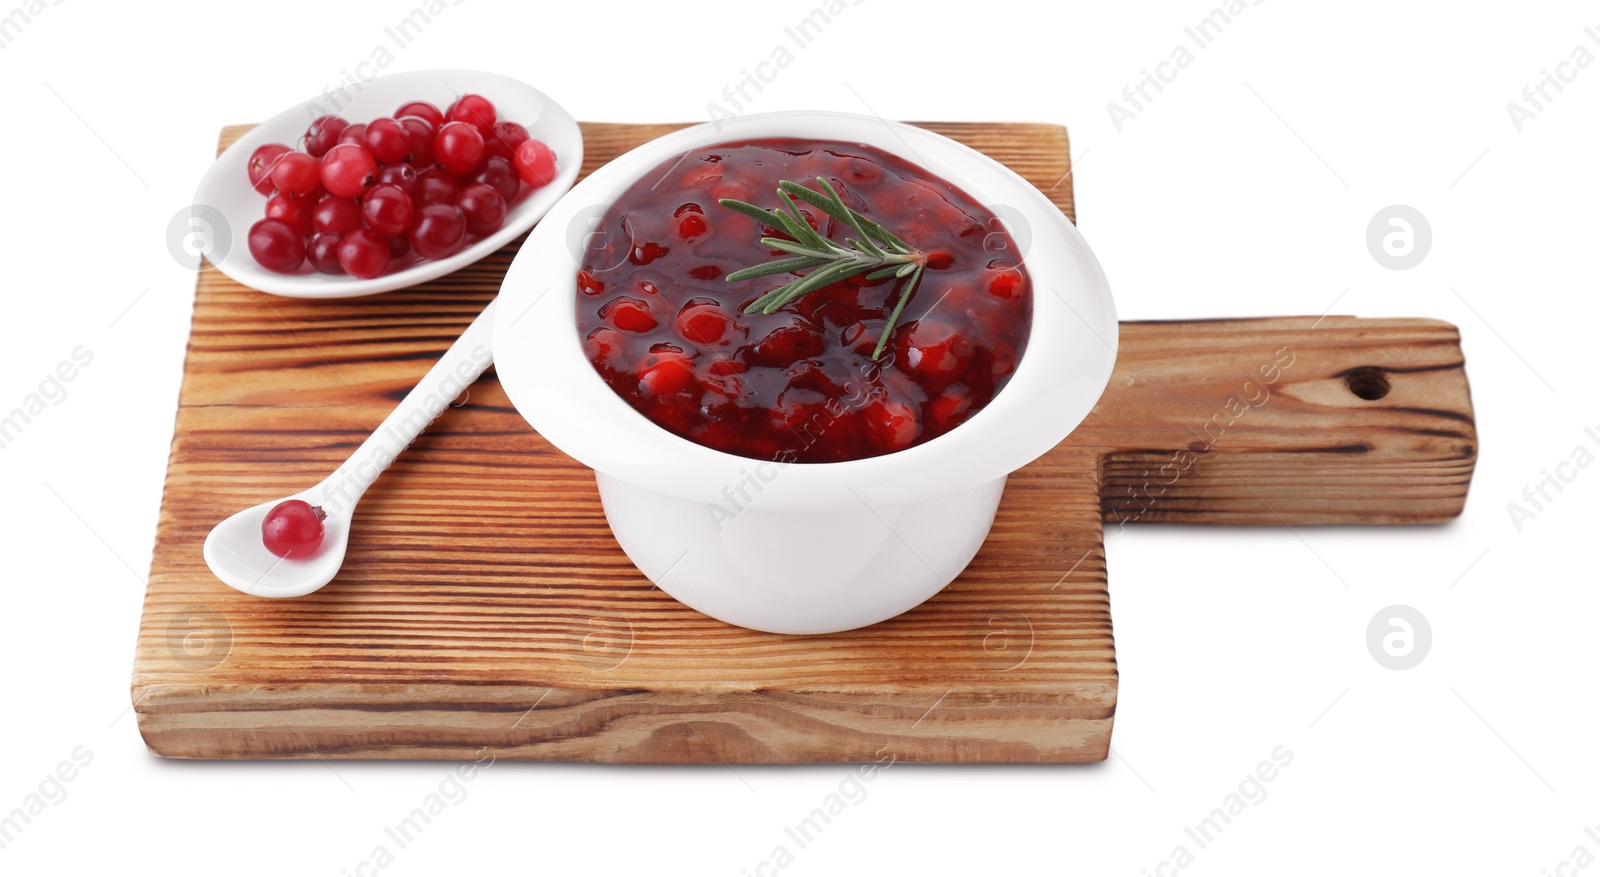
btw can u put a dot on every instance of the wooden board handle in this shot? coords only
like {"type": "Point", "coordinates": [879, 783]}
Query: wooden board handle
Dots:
{"type": "Point", "coordinates": [1290, 420]}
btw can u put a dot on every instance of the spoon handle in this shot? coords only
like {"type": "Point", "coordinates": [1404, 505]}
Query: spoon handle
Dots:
{"type": "Point", "coordinates": [463, 363]}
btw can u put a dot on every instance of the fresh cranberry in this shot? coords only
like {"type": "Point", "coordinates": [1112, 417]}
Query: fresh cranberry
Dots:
{"type": "Point", "coordinates": [261, 163]}
{"type": "Point", "coordinates": [294, 211]}
{"type": "Point", "coordinates": [293, 529]}
{"type": "Point", "coordinates": [435, 186]}
{"type": "Point", "coordinates": [295, 174]}
{"type": "Point", "coordinates": [323, 135]}
{"type": "Point", "coordinates": [535, 163]}
{"type": "Point", "coordinates": [348, 169]}
{"type": "Point", "coordinates": [484, 209]}
{"type": "Point", "coordinates": [386, 140]}
{"type": "Point", "coordinates": [503, 139]}
{"type": "Point", "coordinates": [498, 173]}
{"type": "Point", "coordinates": [398, 174]}
{"type": "Point", "coordinates": [323, 252]}
{"type": "Point", "coordinates": [363, 254]}
{"type": "Point", "coordinates": [420, 136]}
{"type": "Point", "coordinates": [438, 231]}
{"type": "Point", "coordinates": [421, 109]}
{"type": "Point", "coordinates": [387, 209]}
{"type": "Point", "coordinates": [353, 134]}
{"type": "Point", "coordinates": [474, 110]}
{"type": "Point", "coordinates": [277, 246]}
{"type": "Point", "coordinates": [335, 214]}
{"type": "Point", "coordinates": [458, 147]}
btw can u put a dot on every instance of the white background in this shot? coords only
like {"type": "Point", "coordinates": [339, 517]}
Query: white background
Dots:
{"type": "Point", "coordinates": [1245, 188]}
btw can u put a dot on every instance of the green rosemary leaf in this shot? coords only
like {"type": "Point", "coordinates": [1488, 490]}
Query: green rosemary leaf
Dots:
{"type": "Point", "coordinates": [815, 281]}
{"type": "Point", "coordinates": [850, 216]}
{"type": "Point", "coordinates": [836, 208]}
{"type": "Point", "coordinates": [799, 249]}
{"type": "Point", "coordinates": [866, 247]}
{"type": "Point", "coordinates": [795, 263]}
{"type": "Point", "coordinates": [874, 251]}
{"type": "Point", "coordinates": [761, 215]}
{"type": "Point", "coordinates": [760, 305]}
{"type": "Point", "coordinates": [797, 227]}
{"type": "Point", "coordinates": [830, 206]}
{"type": "Point", "coordinates": [894, 316]}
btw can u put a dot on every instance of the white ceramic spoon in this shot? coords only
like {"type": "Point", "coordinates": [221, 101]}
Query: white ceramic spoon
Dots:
{"type": "Point", "coordinates": [234, 549]}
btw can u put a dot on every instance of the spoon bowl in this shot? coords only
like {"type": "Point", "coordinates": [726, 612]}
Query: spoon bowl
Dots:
{"type": "Point", "coordinates": [237, 555]}
{"type": "Point", "coordinates": [235, 549]}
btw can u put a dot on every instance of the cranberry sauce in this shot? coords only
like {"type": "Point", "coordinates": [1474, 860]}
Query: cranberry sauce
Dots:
{"type": "Point", "coordinates": [669, 335]}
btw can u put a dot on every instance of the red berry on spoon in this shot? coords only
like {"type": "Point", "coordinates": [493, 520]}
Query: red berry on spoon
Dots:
{"type": "Point", "coordinates": [293, 528]}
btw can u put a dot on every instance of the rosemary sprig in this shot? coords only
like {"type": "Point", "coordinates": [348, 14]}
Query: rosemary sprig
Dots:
{"type": "Point", "coordinates": [874, 251]}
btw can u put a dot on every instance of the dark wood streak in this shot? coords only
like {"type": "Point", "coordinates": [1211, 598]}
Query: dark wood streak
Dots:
{"type": "Point", "coordinates": [1392, 369]}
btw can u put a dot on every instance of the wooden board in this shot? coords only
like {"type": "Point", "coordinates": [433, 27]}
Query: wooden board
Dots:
{"type": "Point", "coordinates": [485, 604]}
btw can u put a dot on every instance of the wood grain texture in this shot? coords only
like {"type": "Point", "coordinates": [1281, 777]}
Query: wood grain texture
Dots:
{"type": "Point", "coordinates": [485, 604]}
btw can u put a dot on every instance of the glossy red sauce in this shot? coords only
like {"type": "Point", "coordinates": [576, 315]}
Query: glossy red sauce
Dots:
{"type": "Point", "coordinates": [668, 333]}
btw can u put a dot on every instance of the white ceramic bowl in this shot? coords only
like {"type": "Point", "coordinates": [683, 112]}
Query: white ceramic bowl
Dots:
{"type": "Point", "coordinates": [225, 204]}
{"type": "Point", "coordinates": [805, 547]}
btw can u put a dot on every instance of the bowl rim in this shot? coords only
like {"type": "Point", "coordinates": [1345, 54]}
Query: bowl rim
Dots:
{"type": "Point", "coordinates": [223, 193]}
{"type": "Point", "coordinates": [1068, 361]}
